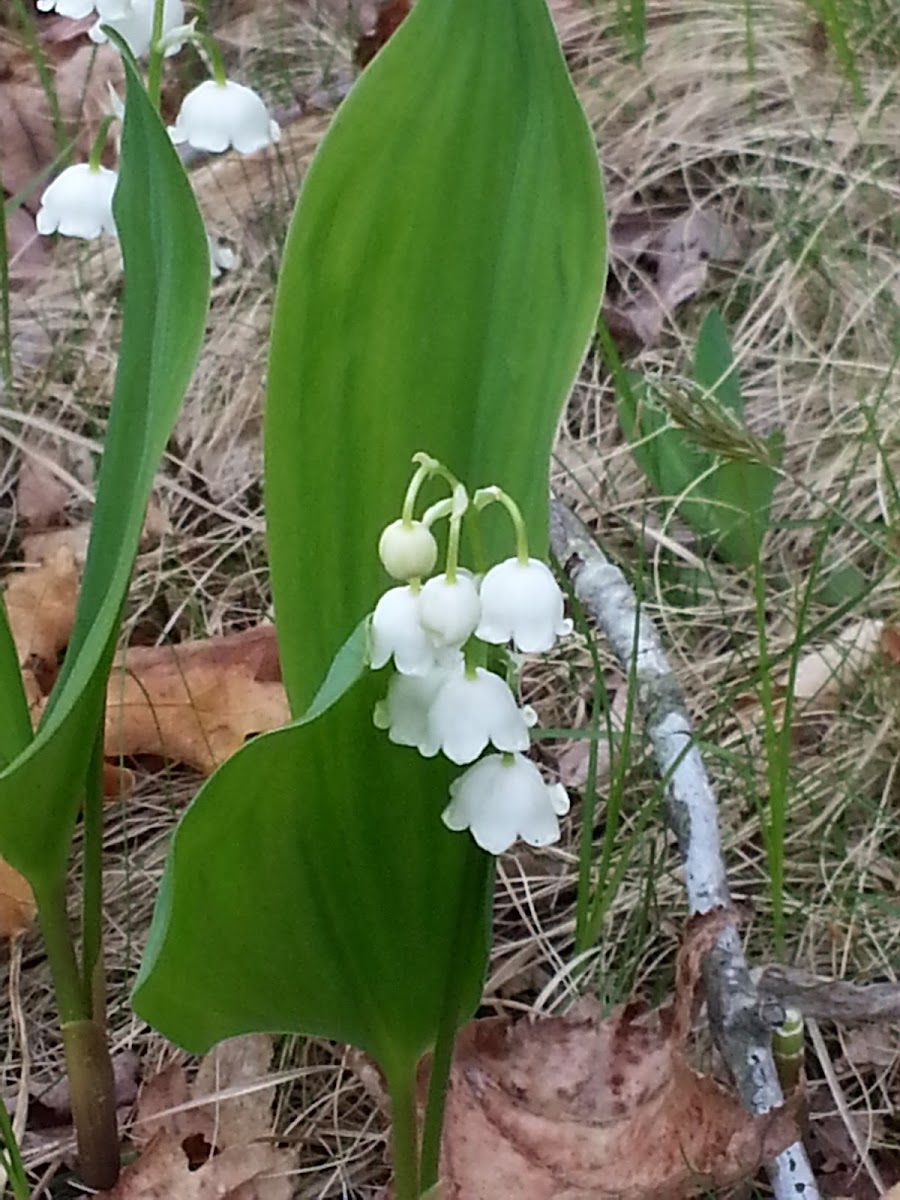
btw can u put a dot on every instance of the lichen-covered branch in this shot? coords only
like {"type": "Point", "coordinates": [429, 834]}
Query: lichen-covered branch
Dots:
{"type": "Point", "coordinates": [741, 1033]}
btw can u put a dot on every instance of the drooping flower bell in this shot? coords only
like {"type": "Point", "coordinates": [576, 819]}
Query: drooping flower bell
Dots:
{"type": "Point", "coordinates": [133, 22]}
{"type": "Point", "coordinates": [78, 203]}
{"type": "Point", "coordinates": [396, 633]}
{"type": "Point", "coordinates": [522, 602]}
{"type": "Point", "coordinates": [471, 709]}
{"type": "Point", "coordinates": [218, 114]}
{"type": "Point", "coordinates": [449, 609]}
{"type": "Point", "coordinates": [503, 797]}
{"type": "Point", "coordinates": [403, 713]}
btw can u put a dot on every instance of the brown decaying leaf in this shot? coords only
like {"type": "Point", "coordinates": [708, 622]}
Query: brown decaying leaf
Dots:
{"type": "Point", "coordinates": [40, 605]}
{"type": "Point", "coordinates": [389, 15]}
{"type": "Point", "coordinates": [823, 675]}
{"type": "Point", "coordinates": [16, 902]}
{"type": "Point", "coordinates": [579, 1108]}
{"type": "Point", "coordinates": [678, 251]}
{"type": "Point", "coordinates": [215, 1151]}
{"type": "Point", "coordinates": [193, 703]}
{"type": "Point", "coordinates": [41, 495]}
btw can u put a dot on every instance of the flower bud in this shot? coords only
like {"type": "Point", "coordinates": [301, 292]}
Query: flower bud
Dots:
{"type": "Point", "coordinates": [407, 550]}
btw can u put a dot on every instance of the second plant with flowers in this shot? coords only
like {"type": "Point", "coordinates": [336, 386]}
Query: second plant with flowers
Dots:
{"type": "Point", "coordinates": [453, 639]}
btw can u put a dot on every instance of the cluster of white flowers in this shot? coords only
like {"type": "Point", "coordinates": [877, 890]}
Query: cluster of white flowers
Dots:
{"type": "Point", "coordinates": [214, 116]}
{"type": "Point", "coordinates": [442, 696]}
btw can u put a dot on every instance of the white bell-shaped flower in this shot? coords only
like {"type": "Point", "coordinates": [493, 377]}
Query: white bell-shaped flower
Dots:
{"type": "Point", "coordinates": [450, 611]}
{"type": "Point", "coordinates": [522, 602]}
{"type": "Point", "coordinates": [472, 709]}
{"type": "Point", "coordinates": [407, 550]}
{"type": "Point", "coordinates": [221, 258]}
{"type": "Point", "coordinates": [404, 710]}
{"type": "Point", "coordinates": [134, 24]}
{"type": "Point", "coordinates": [78, 203]}
{"type": "Point", "coordinates": [74, 9]}
{"type": "Point", "coordinates": [216, 115]}
{"type": "Point", "coordinates": [503, 797]}
{"type": "Point", "coordinates": [397, 633]}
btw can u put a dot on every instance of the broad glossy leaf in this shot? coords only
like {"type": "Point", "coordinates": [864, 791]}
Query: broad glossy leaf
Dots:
{"type": "Point", "coordinates": [441, 279]}
{"type": "Point", "coordinates": [165, 300]}
{"type": "Point", "coordinates": [340, 915]}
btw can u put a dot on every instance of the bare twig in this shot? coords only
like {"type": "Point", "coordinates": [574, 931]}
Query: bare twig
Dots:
{"type": "Point", "coordinates": [741, 1032]}
{"type": "Point", "coordinates": [831, 999]}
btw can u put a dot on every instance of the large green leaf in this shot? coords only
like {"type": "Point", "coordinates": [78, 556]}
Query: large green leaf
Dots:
{"type": "Point", "coordinates": [166, 294]}
{"type": "Point", "coordinates": [726, 499]}
{"type": "Point", "coordinates": [441, 278]}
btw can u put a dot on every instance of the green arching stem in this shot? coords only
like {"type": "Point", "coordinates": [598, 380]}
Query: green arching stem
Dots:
{"type": "Point", "coordinates": [214, 57]}
{"type": "Point", "coordinates": [460, 505]}
{"type": "Point", "coordinates": [489, 495]}
{"type": "Point", "coordinates": [99, 142]}
{"type": "Point", "coordinates": [427, 468]}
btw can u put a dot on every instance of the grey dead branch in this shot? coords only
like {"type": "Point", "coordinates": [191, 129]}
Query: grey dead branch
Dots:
{"type": "Point", "coordinates": [741, 1033]}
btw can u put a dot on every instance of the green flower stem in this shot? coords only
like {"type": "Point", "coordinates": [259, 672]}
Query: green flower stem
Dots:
{"type": "Point", "coordinates": [478, 870]}
{"type": "Point", "coordinates": [404, 1133]}
{"type": "Point", "coordinates": [92, 1098]}
{"type": "Point", "coordinates": [155, 65]}
{"type": "Point", "coordinates": [490, 495]}
{"type": "Point", "coordinates": [99, 143]}
{"type": "Point", "coordinates": [214, 57]}
{"type": "Point", "coordinates": [88, 1065]}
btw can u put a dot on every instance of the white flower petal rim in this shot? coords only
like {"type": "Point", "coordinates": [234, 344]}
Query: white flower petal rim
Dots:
{"type": "Point", "coordinates": [215, 116]}
{"type": "Point", "coordinates": [504, 797]}
{"type": "Point", "coordinates": [471, 711]}
{"type": "Point", "coordinates": [78, 203]}
{"type": "Point", "coordinates": [522, 603]}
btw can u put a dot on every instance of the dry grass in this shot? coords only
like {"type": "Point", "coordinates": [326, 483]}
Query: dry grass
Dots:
{"type": "Point", "coordinates": [814, 312]}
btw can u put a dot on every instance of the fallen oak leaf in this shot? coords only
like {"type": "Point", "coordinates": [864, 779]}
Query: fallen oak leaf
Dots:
{"type": "Point", "coordinates": [40, 605]}
{"type": "Point", "coordinates": [193, 703]}
{"type": "Point", "coordinates": [222, 1149]}
{"type": "Point", "coordinates": [17, 907]}
{"type": "Point", "coordinates": [581, 1108]}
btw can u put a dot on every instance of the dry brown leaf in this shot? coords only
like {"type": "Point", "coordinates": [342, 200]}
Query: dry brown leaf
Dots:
{"type": "Point", "coordinates": [194, 703]}
{"type": "Point", "coordinates": [38, 547]}
{"type": "Point", "coordinates": [215, 1151]}
{"type": "Point", "coordinates": [822, 675]}
{"type": "Point", "coordinates": [678, 251]}
{"type": "Point", "coordinates": [579, 1108]}
{"type": "Point", "coordinates": [41, 495]}
{"type": "Point", "coordinates": [40, 605]}
{"type": "Point", "coordinates": [16, 902]}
